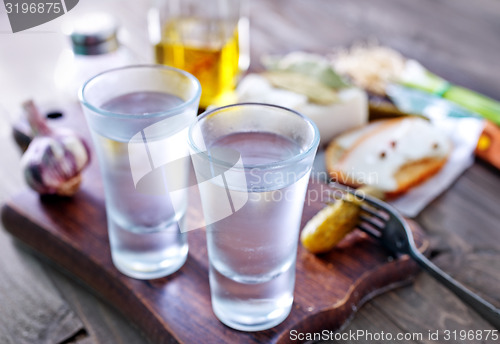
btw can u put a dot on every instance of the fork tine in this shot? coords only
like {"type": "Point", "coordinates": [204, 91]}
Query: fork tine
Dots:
{"type": "Point", "coordinates": [374, 222]}
{"type": "Point", "coordinates": [373, 211]}
{"type": "Point", "coordinates": [369, 230]}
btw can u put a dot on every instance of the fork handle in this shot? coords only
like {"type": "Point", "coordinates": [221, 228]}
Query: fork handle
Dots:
{"type": "Point", "coordinates": [481, 306]}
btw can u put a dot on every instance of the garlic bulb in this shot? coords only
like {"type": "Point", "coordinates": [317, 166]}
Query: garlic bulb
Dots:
{"type": "Point", "coordinates": [55, 158]}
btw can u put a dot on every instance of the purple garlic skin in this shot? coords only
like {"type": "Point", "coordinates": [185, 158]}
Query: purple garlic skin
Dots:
{"type": "Point", "coordinates": [54, 160]}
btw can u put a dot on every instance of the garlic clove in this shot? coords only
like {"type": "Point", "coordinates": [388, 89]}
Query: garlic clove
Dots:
{"type": "Point", "coordinates": [53, 162]}
{"type": "Point", "coordinates": [70, 187]}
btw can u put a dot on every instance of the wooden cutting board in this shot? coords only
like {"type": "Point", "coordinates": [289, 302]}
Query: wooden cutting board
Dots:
{"type": "Point", "coordinates": [72, 233]}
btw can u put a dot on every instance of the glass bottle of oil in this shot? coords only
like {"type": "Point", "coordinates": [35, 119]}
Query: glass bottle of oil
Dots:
{"type": "Point", "coordinates": [207, 38]}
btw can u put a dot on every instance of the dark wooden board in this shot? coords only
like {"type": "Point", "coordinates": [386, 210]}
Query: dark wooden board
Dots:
{"type": "Point", "coordinates": [72, 233]}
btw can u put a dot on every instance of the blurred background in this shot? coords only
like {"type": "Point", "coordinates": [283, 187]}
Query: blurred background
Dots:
{"type": "Point", "coordinates": [28, 59]}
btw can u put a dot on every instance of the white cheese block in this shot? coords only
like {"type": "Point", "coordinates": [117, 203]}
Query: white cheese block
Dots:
{"type": "Point", "coordinates": [349, 112]}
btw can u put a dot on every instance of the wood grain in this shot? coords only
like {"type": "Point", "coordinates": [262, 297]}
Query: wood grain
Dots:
{"type": "Point", "coordinates": [103, 324]}
{"type": "Point", "coordinates": [35, 313]}
{"type": "Point", "coordinates": [369, 318]}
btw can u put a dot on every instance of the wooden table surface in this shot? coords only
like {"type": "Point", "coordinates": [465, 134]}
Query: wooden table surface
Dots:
{"type": "Point", "coordinates": [457, 39]}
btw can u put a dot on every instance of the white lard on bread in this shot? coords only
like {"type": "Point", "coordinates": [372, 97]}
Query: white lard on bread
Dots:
{"type": "Point", "coordinates": [392, 155]}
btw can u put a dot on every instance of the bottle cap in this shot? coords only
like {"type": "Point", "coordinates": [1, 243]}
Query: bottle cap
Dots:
{"type": "Point", "coordinates": [94, 34]}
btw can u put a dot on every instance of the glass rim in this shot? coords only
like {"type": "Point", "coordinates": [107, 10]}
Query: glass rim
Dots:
{"type": "Point", "coordinates": [176, 109]}
{"type": "Point", "coordinates": [269, 165]}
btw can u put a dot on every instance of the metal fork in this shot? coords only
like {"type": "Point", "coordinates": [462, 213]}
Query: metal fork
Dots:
{"type": "Point", "coordinates": [383, 222]}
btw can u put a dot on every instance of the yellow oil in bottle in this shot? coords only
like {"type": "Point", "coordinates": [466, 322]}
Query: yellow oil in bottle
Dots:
{"type": "Point", "coordinates": [208, 49]}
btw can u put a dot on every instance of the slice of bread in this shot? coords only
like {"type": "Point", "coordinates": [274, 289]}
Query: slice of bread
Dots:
{"type": "Point", "coordinates": [392, 155]}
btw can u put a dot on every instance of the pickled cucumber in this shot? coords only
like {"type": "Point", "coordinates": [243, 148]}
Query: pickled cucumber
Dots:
{"type": "Point", "coordinates": [332, 223]}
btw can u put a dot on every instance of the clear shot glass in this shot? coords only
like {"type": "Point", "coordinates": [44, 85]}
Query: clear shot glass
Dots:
{"type": "Point", "coordinates": [252, 163]}
{"type": "Point", "coordinates": [139, 118]}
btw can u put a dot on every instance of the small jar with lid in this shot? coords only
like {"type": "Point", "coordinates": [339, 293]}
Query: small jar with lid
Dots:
{"type": "Point", "coordinates": [94, 49]}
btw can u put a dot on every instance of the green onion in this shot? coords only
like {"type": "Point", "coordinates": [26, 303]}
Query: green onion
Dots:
{"type": "Point", "coordinates": [416, 76]}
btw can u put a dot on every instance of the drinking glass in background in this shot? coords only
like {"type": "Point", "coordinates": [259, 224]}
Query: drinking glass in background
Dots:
{"type": "Point", "coordinates": [252, 163]}
{"type": "Point", "coordinates": [139, 118]}
{"type": "Point", "coordinates": [207, 38]}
